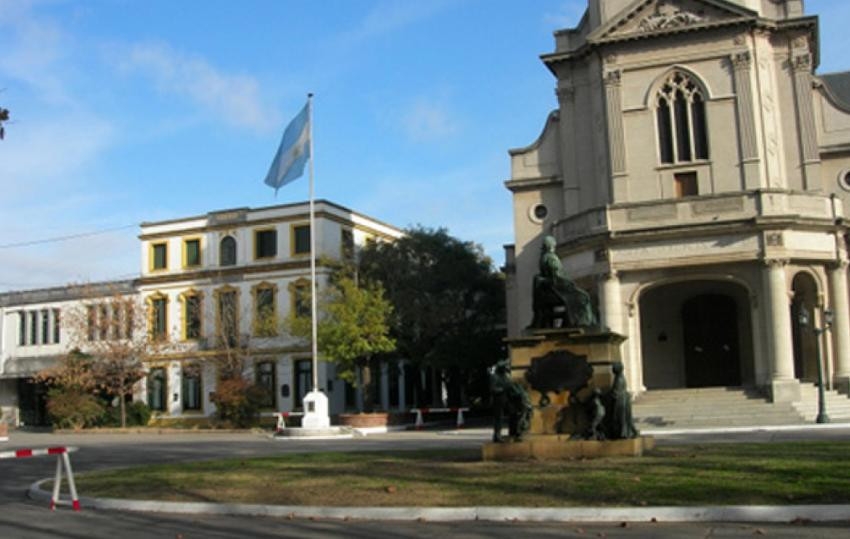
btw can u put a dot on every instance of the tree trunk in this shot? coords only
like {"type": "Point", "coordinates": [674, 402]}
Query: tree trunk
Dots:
{"type": "Point", "coordinates": [367, 383]}
{"type": "Point", "coordinates": [123, 410]}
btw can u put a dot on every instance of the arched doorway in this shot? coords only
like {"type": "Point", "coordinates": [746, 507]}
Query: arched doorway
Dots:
{"type": "Point", "coordinates": [710, 338]}
{"type": "Point", "coordinates": [805, 291]}
{"type": "Point", "coordinates": [696, 334]}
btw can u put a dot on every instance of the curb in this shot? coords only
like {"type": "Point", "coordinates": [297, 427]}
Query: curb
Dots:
{"type": "Point", "coordinates": [731, 430]}
{"type": "Point", "coordinates": [723, 513]}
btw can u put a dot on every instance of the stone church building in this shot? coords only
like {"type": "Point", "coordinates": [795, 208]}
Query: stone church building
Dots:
{"type": "Point", "coordinates": [695, 174]}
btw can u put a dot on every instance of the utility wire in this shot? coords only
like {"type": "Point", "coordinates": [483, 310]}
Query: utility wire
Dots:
{"type": "Point", "coordinates": [66, 238]}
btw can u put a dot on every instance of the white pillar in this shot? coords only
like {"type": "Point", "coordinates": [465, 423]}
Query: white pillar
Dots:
{"type": "Point", "coordinates": [783, 386]}
{"type": "Point", "coordinates": [841, 325]}
{"type": "Point", "coordinates": [611, 302]}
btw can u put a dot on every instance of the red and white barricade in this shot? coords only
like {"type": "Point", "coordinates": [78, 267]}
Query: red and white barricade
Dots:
{"type": "Point", "coordinates": [420, 415]}
{"type": "Point", "coordinates": [62, 459]}
{"type": "Point", "coordinates": [281, 419]}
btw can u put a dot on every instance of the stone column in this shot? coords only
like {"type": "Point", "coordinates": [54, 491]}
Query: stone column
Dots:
{"type": "Point", "coordinates": [802, 67]}
{"type": "Point", "coordinates": [841, 325]}
{"type": "Point", "coordinates": [610, 302]}
{"type": "Point", "coordinates": [783, 386]}
{"type": "Point", "coordinates": [742, 65]}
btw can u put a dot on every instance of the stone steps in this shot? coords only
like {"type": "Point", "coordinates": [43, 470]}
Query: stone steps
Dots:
{"type": "Point", "coordinates": [837, 405]}
{"type": "Point", "coordinates": [710, 407]}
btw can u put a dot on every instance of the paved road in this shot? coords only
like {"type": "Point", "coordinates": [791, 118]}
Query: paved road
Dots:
{"type": "Point", "coordinates": [23, 518]}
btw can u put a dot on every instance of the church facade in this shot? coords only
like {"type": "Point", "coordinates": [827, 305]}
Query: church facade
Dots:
{"type": "Point", "coordinates": [695, 174]}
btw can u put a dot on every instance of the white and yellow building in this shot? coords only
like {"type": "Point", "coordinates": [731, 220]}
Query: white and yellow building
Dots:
{"type": "Point", "coordinates": [224, 280]}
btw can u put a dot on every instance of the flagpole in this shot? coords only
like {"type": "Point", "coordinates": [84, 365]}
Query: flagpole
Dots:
{"type": "Point", "coordinates": [313, 287]}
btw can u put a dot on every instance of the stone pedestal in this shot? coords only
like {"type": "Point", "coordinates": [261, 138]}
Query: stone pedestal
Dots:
{"type": "Point", "coordinates": [601, 349]}
{"type": "Point", "coordinates": [559, 369]}
{"type": "Point", "coordinates": [560, 447]}
{"type": "Point", "coordinates": [315, 411]}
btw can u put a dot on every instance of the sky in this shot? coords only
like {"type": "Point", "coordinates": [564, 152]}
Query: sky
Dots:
{"type": "Point", "coordinates": [130, 111]}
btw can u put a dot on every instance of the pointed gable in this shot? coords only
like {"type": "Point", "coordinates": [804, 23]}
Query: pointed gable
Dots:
{"type": "Point", "coordinates": [644, 18]}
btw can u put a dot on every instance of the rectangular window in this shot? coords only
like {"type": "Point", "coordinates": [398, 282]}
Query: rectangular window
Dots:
{"type": "Point", "coordinates": [157, 389]}
{"type": "Point", "coordinates": [33, 327]}
{"type": "Point", "coordinates": [159, 256]}
{"type": "Point", "coordinates": [103, 326]}
{"type": "Point", "coordinates": [45, 326]}
{"type": "Point", "coordinates": [129, 321]}
{"type": "Point", "coordinates": [303, 380]}
{"type": "Point", "coordinates": [350, 396]}
{"type": "Point", "coordinates": [301, 300]}
{"type": "Point", "coordinates": [347, 244]}
{"type": "Point", "coordinates": [91, 322]}
{"type": "Point", "coordinates": [192, 387]}
{"type": "Point", "coordinates": [115, 325]}
{"type": "Point", "coordinates": [22, 328]}
{"type": "Point", "coordinates": [228, 319]}
{"type": "Point", "coordinates": [192, 317]}
{"type": "Point", "coordinates": [685, 184]}
{"type": "Point", "coordinates": [265, 243]}
{"type": "Point", "coordinates": [57, 325]}
{"type": "Point", "coordinates": [191, 253]}
{"type": "Point", "coordinates": [159, 319]}
{"type": "Point", "coordinates": [300, 239]}
{"type": "Point", "coordinates": [265, 321]}
{"type": "Point", "coordinates": [266, 381]}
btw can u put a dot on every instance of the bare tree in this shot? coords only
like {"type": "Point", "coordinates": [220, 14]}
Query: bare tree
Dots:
{"type": "Point", "coordinates": [115, 331]}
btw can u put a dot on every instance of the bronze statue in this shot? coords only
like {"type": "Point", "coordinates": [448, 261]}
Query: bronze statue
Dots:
{"type": "Point", "coordinates": [511, 399]}
{"type": "Point", "coordinates": [556, 297]}
{"type": "Point", "coordinates": [621, 425]}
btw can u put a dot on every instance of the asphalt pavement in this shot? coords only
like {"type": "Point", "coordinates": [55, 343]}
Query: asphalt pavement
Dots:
{"type": "Point", "coordinates": [24, 518]}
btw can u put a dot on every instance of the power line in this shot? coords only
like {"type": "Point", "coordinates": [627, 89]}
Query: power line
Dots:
{"type": "Point", "coordinates": [66, 238]}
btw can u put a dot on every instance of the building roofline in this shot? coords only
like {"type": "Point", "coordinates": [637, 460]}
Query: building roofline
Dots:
{"type": "Point", "coordinates": [266, 208]}
{"type": "Point", "coordinates": [67, 292]}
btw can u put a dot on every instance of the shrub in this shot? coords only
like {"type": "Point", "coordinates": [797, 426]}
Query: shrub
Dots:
{"type": "Point", "coordinates": [237, 402]}
{"type": "Point", "coordinates": [138, 415]}
{"type": "Point", "coordinates": [72, 408]}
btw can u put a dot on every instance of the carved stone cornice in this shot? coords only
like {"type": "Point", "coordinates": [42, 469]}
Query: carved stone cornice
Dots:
{"type": "Point", "coordinates": [613, 77]}
{"type": "Point", "coordinates": [802, 62]}
{"type": "Point", "coordinates": [742, 60]}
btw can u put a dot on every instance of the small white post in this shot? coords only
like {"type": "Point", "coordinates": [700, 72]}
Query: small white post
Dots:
{"type": "Point", "coordinates": [57, 483]}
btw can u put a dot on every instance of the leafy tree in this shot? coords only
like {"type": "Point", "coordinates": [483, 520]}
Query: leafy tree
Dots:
{"type": "Point", "coordinates": [448, 303]}
{"type": "Point", "coordinates": [353, 327]}
{"type": "Point", "coordinates": [71, 400]}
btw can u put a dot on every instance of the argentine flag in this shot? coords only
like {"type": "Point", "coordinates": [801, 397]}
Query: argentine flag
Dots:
{"type": "Point", "coordinates": [294, 151]}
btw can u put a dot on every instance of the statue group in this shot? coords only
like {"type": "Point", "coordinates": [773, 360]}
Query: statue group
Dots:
{"type": "Point", "coordinates": [610, 414]}
{"type": "Point", "coordinates": [509, 399]}
{"type": "Point", "coordinates": [557, 301]}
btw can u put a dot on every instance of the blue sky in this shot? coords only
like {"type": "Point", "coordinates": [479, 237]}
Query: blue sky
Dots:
{"type": "Point", "coordinates": [128, 111]}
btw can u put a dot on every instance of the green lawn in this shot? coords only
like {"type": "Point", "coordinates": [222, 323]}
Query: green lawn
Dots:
{"type": "Point", "coordinates": [718, 474]}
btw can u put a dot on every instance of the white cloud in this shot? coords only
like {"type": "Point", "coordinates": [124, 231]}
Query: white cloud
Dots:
{"type": "Point", "coordinates": [388, 16]}
{"type": "Point", "coordinates": [429, 120]}
{"type": "Point", "coordinates": [231, 98]}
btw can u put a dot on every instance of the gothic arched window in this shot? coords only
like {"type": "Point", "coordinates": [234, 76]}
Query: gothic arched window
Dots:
{"type": "Point", "coordinates": [680, 114]}
{"type": "Point", "coordinates": [227, 251]}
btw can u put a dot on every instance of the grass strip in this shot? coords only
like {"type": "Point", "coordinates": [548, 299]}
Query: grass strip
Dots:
{"type": "Point", "coordinates": [709, 474]}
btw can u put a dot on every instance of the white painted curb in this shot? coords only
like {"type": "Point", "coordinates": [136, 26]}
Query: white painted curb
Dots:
{"type": "Point", "coordinates": [723, 513]}
{"type": "Point", "coordinates": [731, 430]}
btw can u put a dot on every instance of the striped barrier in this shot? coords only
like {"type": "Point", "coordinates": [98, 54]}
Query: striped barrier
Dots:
{"type": "Point", "coordinates": [62, 459]}
{"type": "Point", "coordinates": [420, 415]}
{"type": "Point", "coordinates": [281, 419]}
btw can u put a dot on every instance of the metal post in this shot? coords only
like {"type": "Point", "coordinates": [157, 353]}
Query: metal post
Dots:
{"type": "Point", "coordinates": [313, 313]}
{"type": "Point", "coordinates": [822, 416]}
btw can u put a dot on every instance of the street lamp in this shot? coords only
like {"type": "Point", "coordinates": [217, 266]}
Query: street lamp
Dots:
{"type": "Point", "coordinates": [827, 323]}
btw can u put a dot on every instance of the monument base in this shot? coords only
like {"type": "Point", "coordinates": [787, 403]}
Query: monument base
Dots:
{"type": "Point", "coordinates": [561, 447]}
